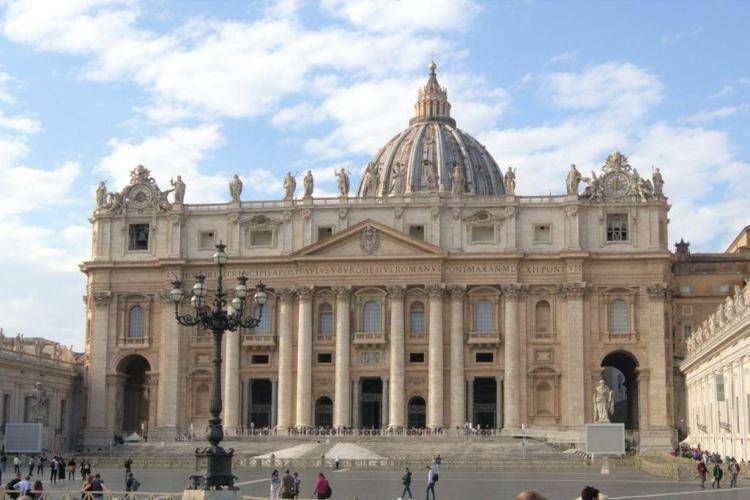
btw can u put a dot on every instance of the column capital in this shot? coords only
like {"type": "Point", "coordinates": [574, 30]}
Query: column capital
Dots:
{"type": "Point", "coordinates": [305, 292]}
{"type": "Point", "coordinates": [342, 291]}
{"type": "Point", "coordinates": [435, 290]}
{"type": "Point", "coordinates": [642, 374]}
{"type": "Point", "coordinates": [396, 291]}
{"type": "Point", "coordinates": [657, 291]}
{"type": "Point", "coordinates": [285, 294]}
{"type": "Point", "coordinates": [573, 290]}
{"type": "Point", "coordinates": [457, 292]}
{"type": "Point", "coordinates": [515, 290]}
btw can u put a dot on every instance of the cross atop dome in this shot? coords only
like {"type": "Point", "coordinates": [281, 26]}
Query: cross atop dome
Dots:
{"type": "Point", "coordinates": [432, 101]}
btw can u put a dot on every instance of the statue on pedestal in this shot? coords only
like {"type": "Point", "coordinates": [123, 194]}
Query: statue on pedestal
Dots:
{"type": "Point", "coordinates": [40, 405]}
{"type": "Point", "coordinates": [179, 189]}
{"type": "Point", "coordinates": [658, 183]}
{"type": "Point", "coordinates": [370, 183]}
{"type": "Point", "coordinates": [604, 403]}
{"type": "Point", "coordinates": [397, 179]}
{"type": "Point", "coordinates": [458, 183]}
{"type": "Point", "coordinates": [235, 188]}
{"type": "Point", "coordinates": [510, 181]}
{"type": "Point", "coordinates": [101, 195]}
{"type": "Point", "coordinates": [307, 185]}
{"type": "Point", "coordinates": [342, 179]}
{"type": "Point", "coordinates": [573, 180]}
{"type": "Point", "coordinates": [290, 185]}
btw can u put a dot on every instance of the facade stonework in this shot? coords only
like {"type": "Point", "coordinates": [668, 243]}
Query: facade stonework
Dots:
{"type": "Point", "coordinates": [434, 298]}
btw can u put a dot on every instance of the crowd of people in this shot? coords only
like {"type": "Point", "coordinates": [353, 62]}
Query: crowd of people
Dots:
{"type": "Point", "coordinates": [290, 486]}
{"type": "Point", "coordinates": [713, 464]}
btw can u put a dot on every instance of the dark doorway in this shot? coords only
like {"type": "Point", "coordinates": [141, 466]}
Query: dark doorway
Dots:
{"type": "Point", "coordinates": [261, 402]}
{"type": "Point", "coordinates": [135, 395]}
{"type": "Point", "coordinates": [324, 412]}
{"type": "Point", "coordinates": [371, 403]}
{"type": "Point", "coordinates": [620, 375]}
{"type": "Point", "coordinates": [417, 413]}
{"type": "Point", "coordinates": [485, 402]}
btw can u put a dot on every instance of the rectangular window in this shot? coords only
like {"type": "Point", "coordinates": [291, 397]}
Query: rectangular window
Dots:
{"type": "Point", "coordinates": [484, 357]}
{"type": "Point", "coordinates": [63, 416]}
{"type": "Point", "coordinates": [416, 357]}
{"type": "Point", "coordinates": [686, 289]}
{"type": "Point", "coordinates": [719, 382]}
{"type": "Point", "coordinates": [687, 310]}
{"type": "Point", "coordinates": [206, 240]}
{"type": "Point", "coordinates": [417, 232]}
{"type": "Point", "coordinates": [617, 227]}
{"type": "Point", "coordinates": [542, 233]}
{"type": "Point", "coordinates": [483, 234]}
{"type": "Point", "coordinates": [259, 359]}
{"type": "Point", "coordinates": [6, 410]}
{"type": "Point", "coordinates": [138, 237]}
{"type": "Point", "coordinates": [325, 357]}
{"type": "Point", "coordinates": [261, 238]}
{"type": "Point", "coordinates": [325, 232]}
{"type": "Point", "coordinates": [326, 322]}
{"type": "Point", "coordinates": [687, 331]}
{"type": "Point", "coordinates": [369, 357]}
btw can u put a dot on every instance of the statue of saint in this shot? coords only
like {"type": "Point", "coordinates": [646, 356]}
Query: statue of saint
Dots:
{"type": "Point", "coordinates": [397, 179]}
{"type": "Point", "coordinates": [573, 180]}
{"type": "Point", "coordinates": [370, 181]}
{"type": "Point", "coordinates": [290, 185]}
{"type": "Point", "coordinates": [510, 181]}
{"type": "Point", "coordinates": [39, 405]}
{"type": "Point", "coordinates": [458, 183]}
{"type": "Point", "coordinates": [342, 180]}
{"type": "Point", "coordinates": [235, 188]}
{"type": "Point", "coordinates": [604, 403]}
{"type": "Point", "coordinates": [307, 185]}
{"type": "Point", "coordinates": [432, 176]}
{"type": "Point", "coordinates": [101, 195]}
{"type": "Point", "coordinates": [658, 182]}
{"type": "Point", "coordinates": [179, 189]}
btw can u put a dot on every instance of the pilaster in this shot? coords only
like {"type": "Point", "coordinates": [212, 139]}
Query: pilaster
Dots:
{"type": "Point", "coordinates": [512, 400]}
{"type": "Point", "coordinates": [458, 386]}
{"type": "Point", "coordinates": [285, 421]}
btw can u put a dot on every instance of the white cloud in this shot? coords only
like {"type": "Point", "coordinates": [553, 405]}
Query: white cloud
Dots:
{"type": "Point", "coordinates": [673, 38]}
{"type": "Point", "coordinates": [715, 114]}
{"type": "Point", "coordinates": [563, 58]}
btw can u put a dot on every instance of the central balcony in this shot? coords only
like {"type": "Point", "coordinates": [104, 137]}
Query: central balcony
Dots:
{"type": "Point", "coordinates": [369, 339]}
{"type": "Point", "coordinates": [259, 342]}
{"type": "Point", "coordinates": [484, 339]}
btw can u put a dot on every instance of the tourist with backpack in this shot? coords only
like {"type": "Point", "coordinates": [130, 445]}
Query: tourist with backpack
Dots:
{"type": "Point", "coordinates": [131, 483]}
{"type": "Point", "coordinates": [406, 481]}
{"type": "Point", "coordinates": [734, 472]}
{"type": "Point", "coordinates": [322, 487]}
{"type": "Point", "coordinates": [718, 473]}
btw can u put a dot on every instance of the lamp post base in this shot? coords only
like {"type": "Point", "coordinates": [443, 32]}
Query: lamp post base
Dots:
{"type": "Point", "coordinates": [218, 465]}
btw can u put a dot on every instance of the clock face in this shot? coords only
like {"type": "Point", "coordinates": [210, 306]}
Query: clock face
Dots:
{"type": "Point", "coordinates": [140, 196]}
{"type": "Point", "coordinates": [617, 184]}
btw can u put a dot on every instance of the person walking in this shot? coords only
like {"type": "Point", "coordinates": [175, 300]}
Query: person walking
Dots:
{"type": "Point", "coordinates": [24, 486]}
{"type": "Point", "coordinates": [17, 464]}
{"type": "Point", "coordinates": [734, 472]}
{"type": "Point", "coordinates": [53, 465]}
{"type": "Point", "coordinates": [40, 465]}
{"type": "Point", "coordinates": [275, 485]}
{"type": "Point", "coordinates": [128, 466]}
{"type": "Point", "coordinates": [430, 484]}
{"type": "Point", "coordinates": [297, 485]}
{"type": "Point", "coordinates": [406, 481]}
{"type": "Point", "coordinates": [702, 471]}
{"type": "Point", "coordinates": [287, 485]}
{"type": "Point", "coordinates": [322, 488]}
{"type": "Point", "coordinates": [3, 463]}
{"type": "Point", "coordinates": [37, 492]}
{"type": "Point", "coordinates": [131, 483]}
{"type": "Point", "coordinates": [718, 473]}
{"type": "Point", "coordinates": [31, 464]}
{"type": "Point", "coordinates": [71, 468]}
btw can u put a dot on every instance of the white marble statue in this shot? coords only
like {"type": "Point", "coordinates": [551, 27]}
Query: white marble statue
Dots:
{"type": "Point", "coordinates": [604, 403]}
{"type": "Point", "coordinates": [235, 188]}
{"type": "Point", "coordinates": [658, 182]}
{"type": "Point", "coordinates": [179, 189]}
{"type": "Point", "coordinates": [458, 183]}
{"type": "Point", "coordinates": [573, 180]}
{"type": "Point", "coordinates": [432, 175]}
{"type": "Point", "coordinates": [397, 179]}
{"type": "Point", "coordinates": [101, 195]}
{"type": "Point", "coordinates": [370, 182]}
{"type": "Point", "coordinates": [307, 185]}
{"type": "Point", "coordinates": [40, 405]}
{"type": "Point", "coordinates": [290, 185]}
{"type": "Point", "coordinates": [342, 180]}
{"type": "Point", "coordinates": [510, 181]}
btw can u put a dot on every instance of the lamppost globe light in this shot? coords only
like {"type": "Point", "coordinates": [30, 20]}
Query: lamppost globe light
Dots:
{"type": "Point", "coordinates": [196, 301]}
{"type": "Point", "coordinates": [220, 256]}
{"type": "Point", "coordinates": [199, 288]}
{"type": "Point", "coordinates": [237, 304]}
{"type": "Point", "coordinates": [176, 294]}
{"type": "Point", "coordinates": [240, 291]}
{"type": "Point", "coordinates": [261, 297]}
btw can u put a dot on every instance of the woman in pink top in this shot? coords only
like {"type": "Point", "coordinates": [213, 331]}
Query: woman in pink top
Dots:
{"type": "Point", "coordinates": [322, 488]}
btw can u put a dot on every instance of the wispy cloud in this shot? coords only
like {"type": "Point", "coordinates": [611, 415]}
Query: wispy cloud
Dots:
{"type": "Point", "coordinates": [673, 38]}
{"type": "Point", "coordinates": [564, 58]}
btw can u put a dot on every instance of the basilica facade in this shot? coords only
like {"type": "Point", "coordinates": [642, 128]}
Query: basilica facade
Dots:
{"type": "Point", "coordinates": [430, 296]}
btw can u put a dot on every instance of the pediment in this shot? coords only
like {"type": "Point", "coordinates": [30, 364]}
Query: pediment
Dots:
{"type": "Point", "coordinates": [370, 239]}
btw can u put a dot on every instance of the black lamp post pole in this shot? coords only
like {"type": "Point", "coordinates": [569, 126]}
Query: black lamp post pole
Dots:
{"type": "Point", "coordinates": [218, 320]}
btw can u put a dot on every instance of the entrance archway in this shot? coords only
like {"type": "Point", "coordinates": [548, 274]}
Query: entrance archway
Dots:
{"type": "Point", "coordinates": [324, 412]}
{"type": "Point", "coordinates": [135, 404]}
{"type": "Point", "coordinates": [619, 372]}
{"type": "Point", "coordinates": [371, 405]}
{"type": "Point", "coordinates": [416, 413]}
{"type": "Point", "coordinates": [484, 412]}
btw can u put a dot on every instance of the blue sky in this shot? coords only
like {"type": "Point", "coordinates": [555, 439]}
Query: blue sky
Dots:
{"type": "Point", "coordinates": [89, 89]}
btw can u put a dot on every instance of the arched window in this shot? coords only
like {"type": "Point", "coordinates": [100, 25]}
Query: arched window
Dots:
{"type": "Point", "coordinates": [135, 323]}
{"type": "Point", "coordinates": [325, 319]}
{"type": "Point", "coordinates": [201, 400]}
{"type": "Point", "coordinates": [543, 317]}
{"type": "Point", "coordinates": [264, 328]}
{"type": "Point", "coordinates": [618, 317]}
{"type": "Point", "coordinates": [416, 318]}
{"type": "Point", "coordinates": [484, 321]}
{"type": "Point", "coordinates": [371, 317]}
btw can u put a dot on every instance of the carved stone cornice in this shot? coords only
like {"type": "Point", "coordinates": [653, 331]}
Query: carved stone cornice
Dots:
{"type": "Point", "coordinates": [305, 292]}
{"type": "Point", "coordinates": [574, 290]}
{"type": "Point", "coordinates": [342, 291]}
{"type": "Point", "coordinates": [285, 294]}
{"type": "Point", "coordinates": [435, 290]}
{"type": "Point", "coordinates": [396, 291]}
{"type": "Point", "coordinates": [657, 291]}
{"type": "Point", "coordinates": [457, 292]}
{"type": "Point", "coordinates": [515, 290]}
{"type": "Point", "coordinates": [101, 298]}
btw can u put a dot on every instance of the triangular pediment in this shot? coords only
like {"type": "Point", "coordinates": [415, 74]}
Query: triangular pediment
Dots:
{"type": "Point", "coordinates": [370, 239]}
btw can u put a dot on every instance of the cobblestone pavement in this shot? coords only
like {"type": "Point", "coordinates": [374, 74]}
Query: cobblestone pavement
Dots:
{"type": "Point", "coordinates": [462, 485]}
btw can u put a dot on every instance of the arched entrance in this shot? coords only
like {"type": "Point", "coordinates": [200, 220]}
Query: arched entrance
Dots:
{"type": "Point", "coordinates": [416, 413]}
{"type": "Point", "coordinates": [135, 394]}
{"type": "Point", "coordinates": [324, 412]}
{"type": "Point", "coordinates": [619, 372]}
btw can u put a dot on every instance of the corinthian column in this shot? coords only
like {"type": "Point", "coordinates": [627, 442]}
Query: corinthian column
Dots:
{"type": "Point", "coordinates": [304, 358]}
{"type": "Point", "coordinates": [396, 399]}
{"type": "Point", "coordinates": [435, 364]}
{"type": "Point", "coordinates": [231, 381]}
{"type": "Point", "coordinates": [458, 385]}
{"type": "Point", "coordinates": [512, 388]}
{"type": "Point", "coordinates": [341, 407]}
{"type": "Point", "coordinates": [576, 359]}
{"type": "Point", "coordinates": [285, 360]}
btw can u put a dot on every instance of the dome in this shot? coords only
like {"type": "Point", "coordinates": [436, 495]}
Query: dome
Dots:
{"type": "Point", "coordinates": [431, 155]}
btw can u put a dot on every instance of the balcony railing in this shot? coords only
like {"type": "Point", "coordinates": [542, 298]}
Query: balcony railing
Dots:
{"type": "Point", "coordinates": [134, 341]}
{"type": "Point", "coordinates": [369, 338]}
{"type": "Point", "coordinates": [255, 341]}
{"type": "Point", "coordinates": [484, 338]}
{"type": "Point", "coordinates": [325, 338]}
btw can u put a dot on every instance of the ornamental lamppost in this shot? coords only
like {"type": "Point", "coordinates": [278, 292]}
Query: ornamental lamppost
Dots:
{"type": "Point", "coordinates": [218, 319]}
